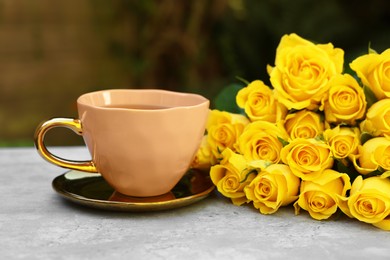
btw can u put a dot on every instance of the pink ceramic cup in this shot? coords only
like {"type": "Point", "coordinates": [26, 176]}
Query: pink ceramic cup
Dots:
{"type": "Point", "coordinates": [141, 141]}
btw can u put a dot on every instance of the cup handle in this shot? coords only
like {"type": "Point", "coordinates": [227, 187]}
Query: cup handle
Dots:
{"type": "Point", "coordinates": [75, 126]}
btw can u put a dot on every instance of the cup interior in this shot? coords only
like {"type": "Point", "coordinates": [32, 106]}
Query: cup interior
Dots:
{"type": "Point", "coordinates": [141, 99]}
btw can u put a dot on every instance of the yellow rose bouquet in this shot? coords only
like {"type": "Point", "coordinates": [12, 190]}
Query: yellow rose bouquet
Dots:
{"type": "Point", "coordinates": [317, 138]}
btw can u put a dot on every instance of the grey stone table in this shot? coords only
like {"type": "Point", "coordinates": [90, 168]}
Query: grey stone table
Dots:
{"type": "Point", "coordinates": [36, 223]}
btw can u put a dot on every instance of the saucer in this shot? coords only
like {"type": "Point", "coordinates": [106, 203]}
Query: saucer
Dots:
{"type": "Point", "coordinates": [90, 189]}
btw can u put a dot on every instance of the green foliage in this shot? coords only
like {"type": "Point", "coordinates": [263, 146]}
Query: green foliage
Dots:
{"type": "Point", "coordinates": [254, 171]}
{"type": "Point", "coordinates": [370, 96]}
{"type": "Point", "coordinates": [343, 167]}
{"type": "Point", "coordinates": [226, 99]}
{"type": "Point", "coordinates": [364, 137]}
{"type": "Point", "coordinates": [371, 50]}
{"type": "Point", "coordinates": [282, 141]}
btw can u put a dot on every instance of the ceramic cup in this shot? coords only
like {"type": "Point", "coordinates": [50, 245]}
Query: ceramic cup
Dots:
{"type": "Point", "coordinates": [142, 142]}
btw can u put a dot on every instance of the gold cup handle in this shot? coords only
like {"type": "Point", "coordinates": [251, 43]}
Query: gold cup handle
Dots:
{"type": "Point", "coordinates": [75, 126]}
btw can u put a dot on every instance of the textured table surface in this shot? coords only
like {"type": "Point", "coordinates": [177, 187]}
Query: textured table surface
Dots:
{"type": "Point", "coordinates": [36, 223]}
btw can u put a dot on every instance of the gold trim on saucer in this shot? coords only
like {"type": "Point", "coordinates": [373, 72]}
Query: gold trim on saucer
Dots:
{"type": "Point", "coordinates": [93, 191]}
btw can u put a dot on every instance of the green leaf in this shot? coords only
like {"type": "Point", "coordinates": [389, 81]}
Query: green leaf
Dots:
{"type": "Point", "coordinates": [243, 80]}
{"type": "Point", "coordinates": [370, 50]}
{"type": "Point", "coordinates": [370, 96]}
{"type": "Point", "coordinates": [226, 99]}
{"type": "Point", "coordinates": [348, 169]}
{"type": "Point", "coordinates": [247, 175]}
{"type": "Point", "coordinates": [374, 173]}
{"type": "Point", "coordinates": [282, 141]}
{"type": "Point", "coordinates": [364, 137]}
{"type": "Point", "coordinates": [320, 137]}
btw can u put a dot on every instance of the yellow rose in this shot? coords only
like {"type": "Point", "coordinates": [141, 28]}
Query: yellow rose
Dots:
{"type": "Point", "coordinates": [373, 154]}
{"type": "Point", "coordinates": [304, 124]}
{"type": "Point", "coordinates": [231, 176]}
{"type": "Point", "coordinates": [260, 141]}
{"type": "Point", "coordinates": [369, 201]}
{"type": "Point", "coordinates": [272, 188]}
{"type": "Point", "coordinates": [377, 120]}
{"type": "Point", "coordinates": [223, 130]}
{"type": "Point", "coordinates": [302, 71]}
{"type": "Point", "coordinates": [343, 141]}
{"type": "Point", "coordinates": [373, 70]}
{"type": "Point", "coordinates": [203, 157]}
{"type": "Point", "coordinates": [259, 103]}
{"type": "Point", "coordinates": [217, 117]}
{"type": "Point", "coordinates": [345, 102]}
{"type": "Point", "coordinates": [320, 196]}
{"type": "Point", "coordinates": [307, 158]}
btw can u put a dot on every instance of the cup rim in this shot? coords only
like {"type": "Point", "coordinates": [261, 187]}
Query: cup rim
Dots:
{"type": "Point", "coordinates": [199, 99]}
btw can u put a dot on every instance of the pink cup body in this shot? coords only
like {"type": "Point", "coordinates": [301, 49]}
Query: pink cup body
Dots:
{"type": "Point", "coordinates": [142, 152]}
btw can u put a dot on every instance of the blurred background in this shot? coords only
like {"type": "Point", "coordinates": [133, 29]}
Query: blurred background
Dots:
{"type": "Point", "coordinates": [53, 51]}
